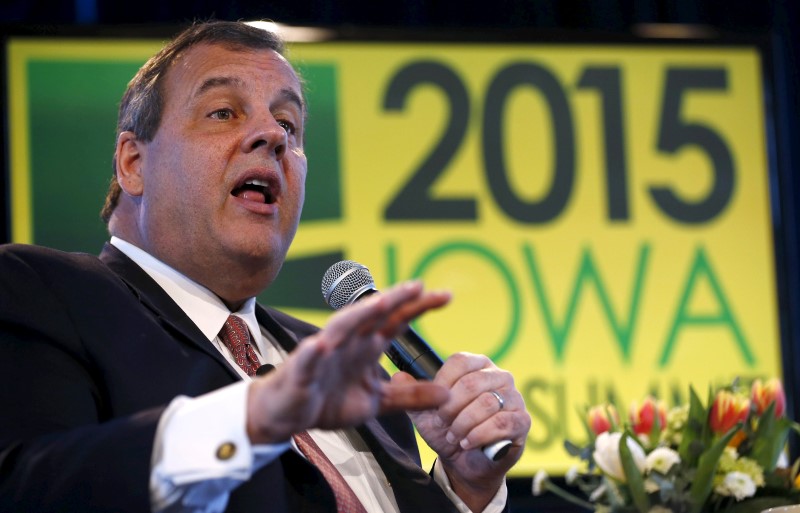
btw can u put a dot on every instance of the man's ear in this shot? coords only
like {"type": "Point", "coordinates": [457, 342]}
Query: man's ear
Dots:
{"type": "Point", "coordinates": [129, 156]}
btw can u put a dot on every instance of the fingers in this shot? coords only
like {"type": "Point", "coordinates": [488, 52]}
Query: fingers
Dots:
{"type": "Point", "coordinates": [460, 365]}
{"type": "Point", "coordinates": [332, 378]}
{"type": "Point", "coordinates": [386, 314]}
{"type": "Point", "coordinates": [398, 319]}
{"type": "Point", "coordinates": [484, 404]}
{"type": "Point", "coordinates": [476, 427]}
{"type": "Point", "coordinates": [411, 396]}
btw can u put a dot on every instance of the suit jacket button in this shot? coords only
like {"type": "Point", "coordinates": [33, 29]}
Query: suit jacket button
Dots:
{"type": "Point", "coordinates": [226, 451]}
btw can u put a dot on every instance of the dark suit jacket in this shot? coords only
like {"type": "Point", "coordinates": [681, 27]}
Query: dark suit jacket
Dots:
{"type": "Point", "coordinates": [92, 350]}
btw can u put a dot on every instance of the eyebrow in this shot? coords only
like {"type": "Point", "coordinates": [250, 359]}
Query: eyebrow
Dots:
{"type": "Point", "coordinates": [214, 82]}
{"type": "Point", "coordinates": [291, 96]}
{"type": "Point", "coordinates": [211, 83]}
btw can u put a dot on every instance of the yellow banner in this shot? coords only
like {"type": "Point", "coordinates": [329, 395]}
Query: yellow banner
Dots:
{"type": "Point", "coordinates": [601, 213]}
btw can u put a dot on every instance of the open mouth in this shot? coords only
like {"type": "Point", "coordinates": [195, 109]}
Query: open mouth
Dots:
{"type": "Point", "coordinates": [255, 190]}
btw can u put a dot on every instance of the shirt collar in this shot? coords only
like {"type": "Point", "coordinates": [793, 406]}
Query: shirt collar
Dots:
{"type": "Point", "coordinates": [202, 306]}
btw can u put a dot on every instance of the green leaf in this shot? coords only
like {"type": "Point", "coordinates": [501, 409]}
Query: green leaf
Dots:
{"type": "Point", "coordinates": [615, 496]}
{"type": "Point", "coordinates": [567, 496]}
{"type": "Point", "coordinates": [633, 476]}
{"type": "Point", "coordinates": [571, 448]}
{"type": "Point", "coordinates": [656, 428]}
{"type": "Point", "coordinates": [706, 467]}
{"type": "Point", "coordinates": [695, 426]}
{"type": "Point", "coordinates": [611, 419]}
{"type": "Point", "coordinates": [583, 416]}
{"type": "Point", "coordinates": [769, 439]}
{"type": "Point", "coordinates": [758, 504]}
{"type": "Point", "coordinates": [706, 434]}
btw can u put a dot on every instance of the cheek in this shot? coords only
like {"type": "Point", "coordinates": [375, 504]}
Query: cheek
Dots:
{"type": "Point", "coordinates": [297, 180]}
{"type": "Point", "coordinates": [301, 191]}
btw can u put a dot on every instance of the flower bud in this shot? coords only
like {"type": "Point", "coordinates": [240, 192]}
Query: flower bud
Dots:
{"type": "Point", "coordinates": [539, 480]}
{"type": "Point", "coordinates": [643, 417]}
{"type": "Point", "coordinates": [764, 394]}
{"type": "Point", "coordinates": [606, 455]}
{"type": "Point", "coordinates": [602, 418]}
{"type": "Point", "coordinates": [727, 410]}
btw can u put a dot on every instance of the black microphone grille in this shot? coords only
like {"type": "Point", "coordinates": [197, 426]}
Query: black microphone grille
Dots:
{"type": "Point", "coordinates": [344, 282]}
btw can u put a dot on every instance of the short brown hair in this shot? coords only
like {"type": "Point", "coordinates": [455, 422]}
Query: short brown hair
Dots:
{"type": "Point", "coordinates": [142, 104]}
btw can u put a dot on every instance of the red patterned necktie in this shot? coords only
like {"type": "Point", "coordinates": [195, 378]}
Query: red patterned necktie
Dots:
{"type": "Point", "coordinates": [346, 500]}
{"type": "Point", "coordinates": [236, 337]}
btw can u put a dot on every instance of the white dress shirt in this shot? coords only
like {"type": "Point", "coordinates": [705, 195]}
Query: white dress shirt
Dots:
{"type": "Point", "coordinates": [187, 475]}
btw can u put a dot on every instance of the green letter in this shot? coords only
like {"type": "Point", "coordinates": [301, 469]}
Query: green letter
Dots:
{"type": "Point", "coordinates": [622, 328]}
{"type": "Point", "coordinates": [701, 268]}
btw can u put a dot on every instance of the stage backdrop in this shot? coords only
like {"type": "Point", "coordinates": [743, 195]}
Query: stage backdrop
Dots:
{"type": "Point", "coordinates": [600, 212]}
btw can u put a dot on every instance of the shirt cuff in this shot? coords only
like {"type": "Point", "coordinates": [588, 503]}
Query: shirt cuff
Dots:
{"type": "Point", "coordinates": [496, 505]}
{"type": "Point", "coordinates": [202, 451]}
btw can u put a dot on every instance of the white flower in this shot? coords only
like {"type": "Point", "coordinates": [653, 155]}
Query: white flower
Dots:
{"type": "Point", "coordinates": [662, 459]}
{"type": "Point", "coordinates": [538, 482]}
{"type": "Point", "coordinates": [736, 484]}
{"type": "Point", "coordinates": [659, 509]}
{"type": "Point", "coordinates": [571, 475]}
{"type": "Point", "coordinates": [606, 455]}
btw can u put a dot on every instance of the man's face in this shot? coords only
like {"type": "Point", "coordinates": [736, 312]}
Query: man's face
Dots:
{"type": "Point", "coordinates": [224, 176]}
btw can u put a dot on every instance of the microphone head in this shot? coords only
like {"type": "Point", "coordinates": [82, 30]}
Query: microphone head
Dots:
{"type": "Point", "coordinates": [344, 282]}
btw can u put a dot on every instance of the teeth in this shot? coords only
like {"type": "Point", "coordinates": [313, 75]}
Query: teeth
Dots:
{"type": "Point", "coordinates": [260, 183]}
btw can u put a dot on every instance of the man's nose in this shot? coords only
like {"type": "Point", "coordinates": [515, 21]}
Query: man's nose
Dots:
{"type": "Point", "coordinates": [266, 133]}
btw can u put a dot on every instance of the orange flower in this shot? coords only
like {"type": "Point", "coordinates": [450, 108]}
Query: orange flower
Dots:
{"type": "Point", "coordinates": [599, 419]}
{"type": "Point", "coordinates": [728, 409]}
{"type": "Point", "coordinates": [764, 394]}
{"type": "Point", "coordinates": [643, 417]}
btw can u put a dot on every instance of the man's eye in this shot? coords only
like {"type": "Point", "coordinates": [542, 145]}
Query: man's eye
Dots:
{"type": "Point", "coordinates": [288, 126]}
{"type": "Point", "coordinates": [222, 114]}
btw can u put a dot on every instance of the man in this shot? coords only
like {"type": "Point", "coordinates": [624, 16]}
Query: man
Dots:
{"type": "Point", "coordinates": [129, 386]}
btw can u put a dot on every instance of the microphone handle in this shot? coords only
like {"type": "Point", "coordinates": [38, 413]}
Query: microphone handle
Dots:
{"type": "Point", "coordinates": [409, 353]}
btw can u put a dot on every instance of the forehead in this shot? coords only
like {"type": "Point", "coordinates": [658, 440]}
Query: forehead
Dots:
{"type": "Point", "coordinates": [258, 70]}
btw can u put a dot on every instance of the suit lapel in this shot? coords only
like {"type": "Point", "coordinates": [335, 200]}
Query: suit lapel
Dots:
{"type": "Point", "coordinates": [153, 297]}
{"type": "Point", "coordinates": [285, 337]}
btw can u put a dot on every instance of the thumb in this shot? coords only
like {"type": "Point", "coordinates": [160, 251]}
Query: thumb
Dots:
{"type": "Point", "coordinates": [403, 378]}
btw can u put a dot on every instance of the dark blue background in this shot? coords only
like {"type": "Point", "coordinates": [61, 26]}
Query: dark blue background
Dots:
{"type": "Point", "coordinates": [777, 22]}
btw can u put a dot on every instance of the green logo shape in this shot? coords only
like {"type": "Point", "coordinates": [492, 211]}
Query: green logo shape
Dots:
{"type": "Point", "coordinates": [323, 183]}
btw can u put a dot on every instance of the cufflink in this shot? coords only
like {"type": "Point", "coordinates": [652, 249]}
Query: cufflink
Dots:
{"type": "Point", "coordinates": [226, 451]}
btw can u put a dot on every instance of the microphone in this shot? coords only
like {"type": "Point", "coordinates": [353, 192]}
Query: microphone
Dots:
{"type": "Point", "coordinates": [345, 283]}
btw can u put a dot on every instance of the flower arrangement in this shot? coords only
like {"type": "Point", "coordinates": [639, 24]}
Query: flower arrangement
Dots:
{"type": "Point", "coordinates": [723, 457]}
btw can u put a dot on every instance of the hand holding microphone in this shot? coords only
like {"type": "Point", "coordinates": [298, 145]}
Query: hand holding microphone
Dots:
{"type": "Point", "coordinates": [346, 282]}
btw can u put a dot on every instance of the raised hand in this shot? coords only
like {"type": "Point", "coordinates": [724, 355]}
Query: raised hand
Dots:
{"type": "Point", "coordinates": [333, 378]}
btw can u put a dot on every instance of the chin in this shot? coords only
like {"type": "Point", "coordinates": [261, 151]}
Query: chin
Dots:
{"type": "Point", "coordinates": [265, 263]}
